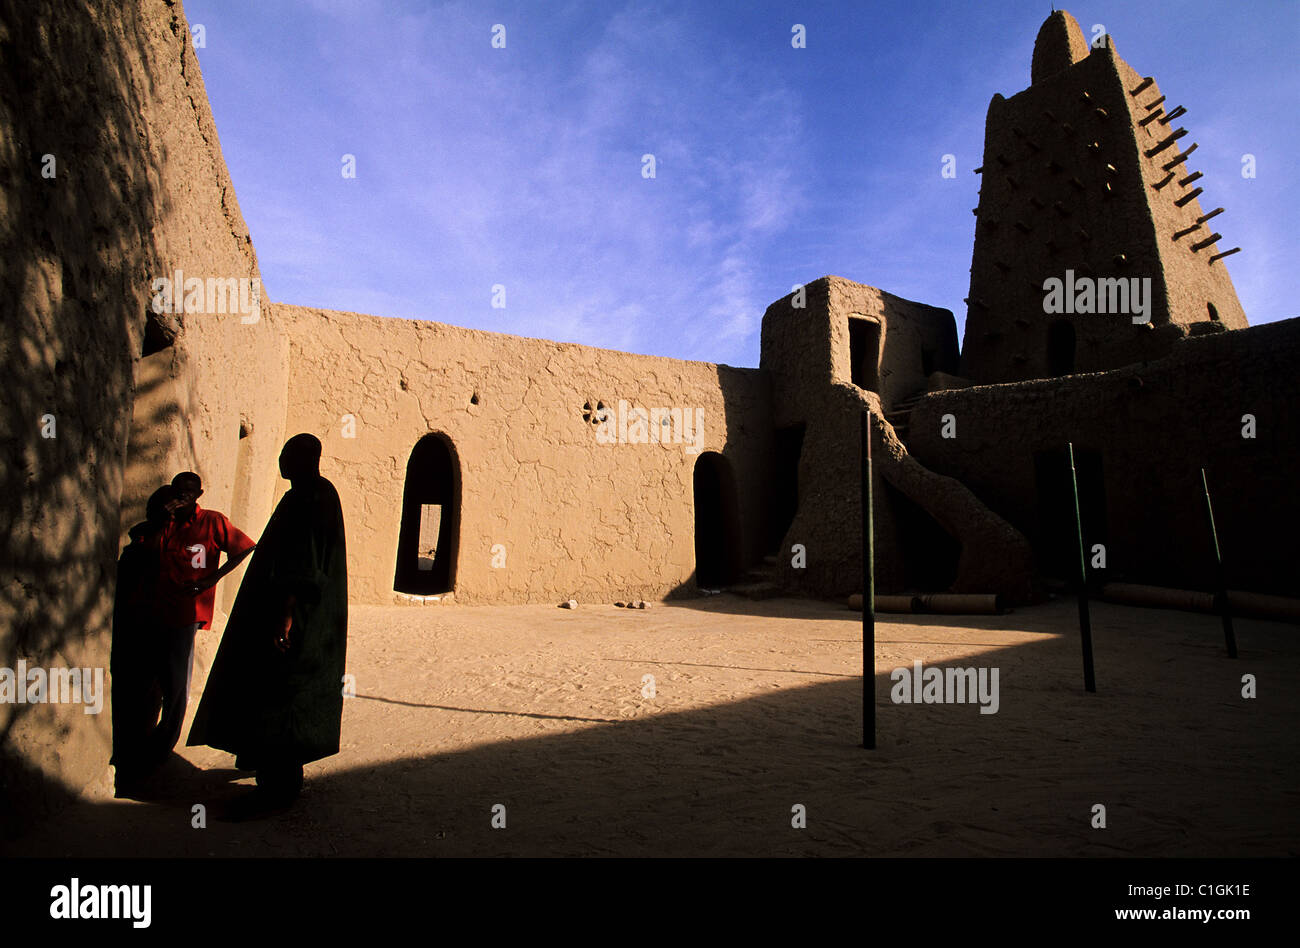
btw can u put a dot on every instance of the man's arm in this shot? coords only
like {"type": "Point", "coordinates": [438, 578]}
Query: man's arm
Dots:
{"type": "Point", "coordinates": [231, 562]}
{"type": "Point", "coordinates": [233, 542]}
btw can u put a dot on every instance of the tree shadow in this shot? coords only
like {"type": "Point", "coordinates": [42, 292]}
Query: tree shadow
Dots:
{"type": "Point", "coordinates": [80, 250]}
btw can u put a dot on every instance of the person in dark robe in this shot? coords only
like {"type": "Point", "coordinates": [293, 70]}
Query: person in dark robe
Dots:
{"type": "Point", "coordinates": [137, 631]}
{"type": "Point", "coordinates": [274, 696]}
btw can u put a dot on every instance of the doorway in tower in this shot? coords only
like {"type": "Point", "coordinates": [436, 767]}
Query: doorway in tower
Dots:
{"type": "Point", "coordinates": [1060, 348]}
{"type": "Point", "coordinates": [788, 449]}
{"type": "Point", "coordinates": [430, 529]}
{"type": "Point", "coordinates": [718, 558]}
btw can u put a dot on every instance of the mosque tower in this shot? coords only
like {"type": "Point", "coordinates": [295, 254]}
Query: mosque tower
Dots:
{"type": "Point", "coordinates": [1086, 178]}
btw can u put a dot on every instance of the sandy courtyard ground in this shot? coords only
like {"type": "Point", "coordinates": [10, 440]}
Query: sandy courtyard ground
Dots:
{"type": "Point", "coordinates": [757, 709]}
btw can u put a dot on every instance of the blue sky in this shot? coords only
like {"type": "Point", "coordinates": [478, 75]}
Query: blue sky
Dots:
{"type": "Point", "coordinates": [522, 166]}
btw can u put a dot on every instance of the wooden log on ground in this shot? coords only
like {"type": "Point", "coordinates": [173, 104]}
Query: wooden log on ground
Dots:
{"type": "Point", "coordinates": [886, 603]}
{"type": "Point", "coordinates": [961, 604]}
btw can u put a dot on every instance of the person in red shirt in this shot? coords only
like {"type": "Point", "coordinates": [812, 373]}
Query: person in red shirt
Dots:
{"type": "Point", "coordinates": [190, 545]}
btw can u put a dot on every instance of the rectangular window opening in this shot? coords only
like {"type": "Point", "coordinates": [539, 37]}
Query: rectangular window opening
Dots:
{"type": "Point", "coordinates": [430, 523]}
{"type": "Point", "coordinates": [864, 351]}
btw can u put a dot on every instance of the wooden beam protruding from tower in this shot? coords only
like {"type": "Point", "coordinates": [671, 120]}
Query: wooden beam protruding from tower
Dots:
{"type": "Point", "coordinates": [1181, 158]}
{"type": "Point", "coordinates": [1165, 142]}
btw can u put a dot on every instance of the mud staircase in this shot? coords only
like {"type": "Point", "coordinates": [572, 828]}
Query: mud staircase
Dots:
{"type": "Point", "coordinates": [759, 581]}
{"type": "Point", "coordinates": [900, 414]}
{"type": "Point", "coordinates": [995, 556]}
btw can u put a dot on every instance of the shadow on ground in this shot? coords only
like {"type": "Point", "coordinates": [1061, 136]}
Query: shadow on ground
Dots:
{"type": "Point", "coordinates": [1183, 764]}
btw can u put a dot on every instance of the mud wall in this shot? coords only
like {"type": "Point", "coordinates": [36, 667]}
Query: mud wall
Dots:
{"type": "Point", "coordinates": [1152, 428]}
{"type": "Point", "coordinates": [931, 534]}
{"type": "Point", "coordinates": [111, 177]}
{"type": "Point", "coordinates": [547, 512]}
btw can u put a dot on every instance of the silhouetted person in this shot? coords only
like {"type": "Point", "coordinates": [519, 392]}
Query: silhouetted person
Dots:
{"type": "Point", "coordinates": [275, 693]}
{"type": "Point", "coordinates": [192, 544]}
{"type": "Point", "coordinates": [137, 637]}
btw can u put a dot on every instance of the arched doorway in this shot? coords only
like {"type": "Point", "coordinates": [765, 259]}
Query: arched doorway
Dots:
{"type": "Point", "coordinates": [785, 483]}
{"type": "Point", "coordinates": [717, 522]}
{"type": "Point", "coordinates": [430, 530]}
{"type": "Point", "coordinates": [1060, 348]}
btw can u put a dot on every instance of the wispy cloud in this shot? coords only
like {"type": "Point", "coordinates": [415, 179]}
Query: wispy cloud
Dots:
{"type": "Point", "coordinates": [523, 166]}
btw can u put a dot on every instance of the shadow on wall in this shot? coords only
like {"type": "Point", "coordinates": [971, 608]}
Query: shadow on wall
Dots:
{"type": "Point", "coordinates": [929, 554]}
{"type": "Point", "coordinates": [80, 201]}
{"type": "Point", "coordinates": [731, 492]}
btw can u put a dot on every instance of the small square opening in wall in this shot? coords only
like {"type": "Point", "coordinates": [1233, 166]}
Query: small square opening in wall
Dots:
{"type": "Point", "coordinates": [159, 332]}
{"type": "Point", "coordinates": [864, 353]}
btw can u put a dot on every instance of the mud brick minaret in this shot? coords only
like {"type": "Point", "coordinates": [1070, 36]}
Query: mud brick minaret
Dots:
{"type": "Point", "coordinates": [1088, 171]}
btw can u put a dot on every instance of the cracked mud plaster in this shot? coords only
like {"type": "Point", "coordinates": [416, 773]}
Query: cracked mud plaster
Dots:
{"type": "Point", "coordinates": [114, 92]}
{"type": "Point", "coordinates": [577, 518]}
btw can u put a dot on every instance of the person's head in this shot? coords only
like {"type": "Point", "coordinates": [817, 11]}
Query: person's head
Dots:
{"type": "Point", "coordinates": [188, 488]}
{"type": "Point", "coordinates": [156, 510]}
{"type": "Point", "coordinates": [300, 457]}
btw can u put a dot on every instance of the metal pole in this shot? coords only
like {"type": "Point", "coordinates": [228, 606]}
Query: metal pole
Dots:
{"type": "Point", "coordinates": [1229, 636]}
{"type": "Point", "coordinates": [1085, 621]}
{"type": "Point", "coordinates": [868, 594]}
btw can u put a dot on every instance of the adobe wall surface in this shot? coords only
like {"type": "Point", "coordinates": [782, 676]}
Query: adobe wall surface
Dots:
{"type": "Point", "coordinates": [192, 401]}
{"type": "Point", "coordinates": [113, 92]}
{"type": "Point", "coordinates": [809, 345]}
{"type": "Point", "coordinates": [1068, 184]}
{"type": "Point", "coordinates": [806, 352]}
{"type": "Point", "coordinates": [1154, 427]}
{"type": "Point", "coordinates": [1191, 281]}
{"type": "Point", "coordinates": [575, 518]}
